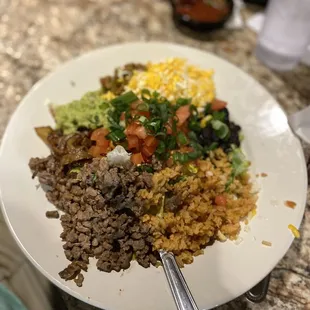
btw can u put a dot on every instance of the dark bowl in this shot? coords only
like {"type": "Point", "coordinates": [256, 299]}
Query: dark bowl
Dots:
{"type": "Point", "coordinates": [200, 26]}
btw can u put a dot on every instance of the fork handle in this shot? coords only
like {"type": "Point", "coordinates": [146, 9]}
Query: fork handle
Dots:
{"type": "Point", "coordinates": [179, 289]}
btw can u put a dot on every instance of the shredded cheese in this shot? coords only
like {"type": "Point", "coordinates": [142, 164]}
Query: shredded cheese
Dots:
{"type": "Point", "coordinates": [174, 78]}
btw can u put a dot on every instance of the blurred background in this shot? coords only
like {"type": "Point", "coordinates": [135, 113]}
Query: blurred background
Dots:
{"type": "Point", "coordinates": [270, 41]}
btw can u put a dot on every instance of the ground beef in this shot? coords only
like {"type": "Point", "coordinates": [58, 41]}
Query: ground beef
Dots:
{"type": "Point", "coordinates": [101, 214]}
{"type": "Point", "coordinates": [79, 280]}
{"type": "Point", "coordinates": [116, 83]}
{"type": "Point", "coordinates": [52, 214]}
{"type": "Point", "coordinates": [173, 202]}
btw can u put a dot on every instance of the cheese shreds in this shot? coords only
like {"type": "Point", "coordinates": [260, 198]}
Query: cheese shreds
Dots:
{"type": "Point", "coordinates": [174, 78]}
{"type": "Point", "coordinates": [294, 231]}
{"type": "Point", "coordinates": [266, 243]}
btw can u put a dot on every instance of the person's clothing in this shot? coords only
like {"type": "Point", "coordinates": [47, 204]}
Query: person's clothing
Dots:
{"type": "Point", "coordinates": [8, 301]}
{"type": "Point", "coordinates": [19, 276]}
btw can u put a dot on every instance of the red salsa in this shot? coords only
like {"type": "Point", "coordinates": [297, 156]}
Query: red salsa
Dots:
{"type": "Point", "coordinates": [204, 11]}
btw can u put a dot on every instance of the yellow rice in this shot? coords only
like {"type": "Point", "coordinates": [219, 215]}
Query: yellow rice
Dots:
{"type": "Point", "coordinates": [199, 221]}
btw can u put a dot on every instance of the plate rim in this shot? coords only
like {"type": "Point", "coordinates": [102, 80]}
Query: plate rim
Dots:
{"type": "Point", "coordinates": [62, 66]}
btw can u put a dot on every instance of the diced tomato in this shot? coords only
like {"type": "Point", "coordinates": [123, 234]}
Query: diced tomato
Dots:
{"type": "Point", "coordinates": [95, 151]}
{"type": "Point", "coordinates": [122, 118]}
{"type": "Point", "coordinates": [133, 142]}
{"type": "Point", "coordinates": [220, 200]}
{"type": "Point", "coordinates": [151, 141]}
{"type": "Point", "coordinates": [144, 113]}
{"type": "Point", "coordinates": [140, 113]}
{"type": "Point", "coordinates": [141, 132]}
{"type": "Point", "coordinates": [103, 142]}
{"type": "Point", "coordinates": [137, 158]}
{"type": "Point", "coordinates": [217, 105]}
{"type": "Point", "coordinates": [169, 127]}
{"type": "Point", "coordinates": [184, 127]}
{"type": "Point", "coordinates": [183, 113]}
{"type": "Point", "coordinates": [169, 162]}
{"type": "Point", "coordinates": [148, 151]}
{"type": "Point", "coordinates": [99, 132]}
{"type": "Point", "coordinates": [131, 129]}
{"type": "Point", "coordinates": [135, 104]}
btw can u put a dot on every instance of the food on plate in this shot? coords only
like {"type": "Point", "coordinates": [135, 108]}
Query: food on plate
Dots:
{"type": "Point", "coordinates": [290, 204]}
{"type": "Point", "coordinates": [266, 243]}
{"type": "Point", "coordinates": [150, 161]}
{"type": "Point", "coordinates": [294, 231]}
{"type": "Point", "coordinates": [88, 112]}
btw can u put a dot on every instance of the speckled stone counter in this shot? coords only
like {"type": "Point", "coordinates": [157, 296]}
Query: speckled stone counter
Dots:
{"type": "Point", "coordinates": [36, 36]}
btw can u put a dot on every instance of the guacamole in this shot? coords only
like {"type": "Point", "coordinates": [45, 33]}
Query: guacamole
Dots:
{"type": "Point", "coordinates": [88, 112]}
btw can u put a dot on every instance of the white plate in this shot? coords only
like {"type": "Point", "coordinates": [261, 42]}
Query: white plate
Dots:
{"type": "Point", "coordinates": [226, 270]}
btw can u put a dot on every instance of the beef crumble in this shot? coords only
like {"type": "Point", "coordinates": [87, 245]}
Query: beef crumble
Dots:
{"type": "Point", "coordinates": [52, 214]}
{"type": "Point", "coordinates": [116, 83]}
{"type": "Point", "coordinates": [101, 214]}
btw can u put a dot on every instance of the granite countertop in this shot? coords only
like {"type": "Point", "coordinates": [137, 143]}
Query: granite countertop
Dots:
{"type": "Point", "coordinates": [38, 35]}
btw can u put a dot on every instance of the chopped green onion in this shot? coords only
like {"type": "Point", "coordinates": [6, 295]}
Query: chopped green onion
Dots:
{"type": "Point", "coordinates": [154, 125]}
{"type": "Point", "coordinates": [143, 107]}
{"type": "Point", "coordinates": [182, 101]}
{"type": "Point", "coordinates": [171, 142]}
{"type": "Point", "coordinates": [239, 162]}
{"type": "Point", "coordinates": [146, 95]}
{"type": "Point", "coordinates": [116, 135]}
{"type": "Point", "coordinates": [219, 115]}
{"type": "Point", "coordinates": [221, 129]}
{"type": "Point", "coordinates": [207, 108]}
{"type": "Point", "coordinates": [174, 125]}
{"type": "Point", "coordinates": [182, 138]}
{"type": "Point", "coordinates": [163, 108]}
{"type": "Point", "coordinates": [194, 155]}
{"type": "Point", "coordinates": [113, 124]}
{"type": "Point", "coordinates": [94, 177]}
{"type": "Point", "coordinates": [211, 147]}
{"type": "Point", "coordinates": [194, 125]}
{"type": "Point", "coordinates": [193, 136]}
{"type": "Point", "coordinates": [156, 94]}
{"type": "Point", "coordinates": [239, 165]}
{"type": "Point", "coordinates": [142, 119]}
{"type": "Point", "coordinates": [180, 157]}
{"type": "Point", "coordinates": [146, 168]}
{"type": "Point", "coordinates": [161, 148]}
{"type": "Point", "coordinates": [126, 98]}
